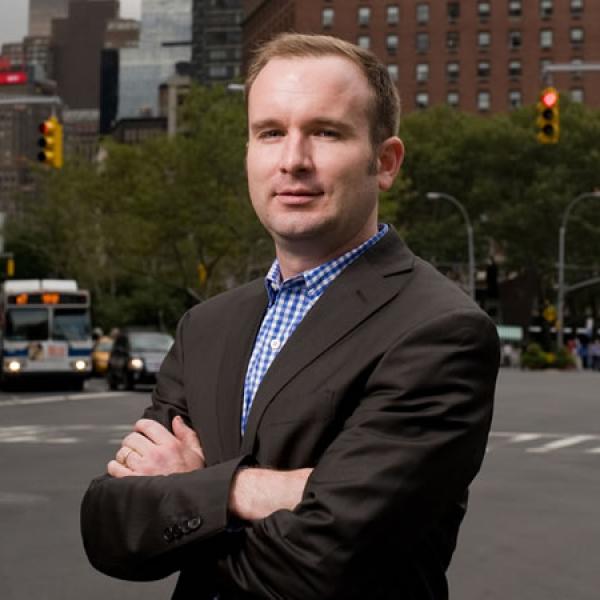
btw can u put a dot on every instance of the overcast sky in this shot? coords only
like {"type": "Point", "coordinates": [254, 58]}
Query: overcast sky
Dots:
{"type": "Point", "coordinates": [13, 17]}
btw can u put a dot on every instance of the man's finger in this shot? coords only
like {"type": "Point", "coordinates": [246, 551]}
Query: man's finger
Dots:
{"type": "Point", "coordinates": [153, 430]}
{"type": "Point", "coordinates": [118, 470]}
{"type": "Point", "coordinates": [138, 442]}
{"type": "Point", "coordinates": [185, 434]}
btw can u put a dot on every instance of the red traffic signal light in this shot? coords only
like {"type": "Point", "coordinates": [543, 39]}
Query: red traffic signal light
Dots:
{"type": "Point", "coordinates": [548, 116]}
{"type": "Point", "coordinates": [549, 97]}
{"type": "Point", "coordinates": [51, 143]}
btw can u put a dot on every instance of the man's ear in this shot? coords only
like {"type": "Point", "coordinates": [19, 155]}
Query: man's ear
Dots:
{"type": "Point", "coordinates": [389, 159]}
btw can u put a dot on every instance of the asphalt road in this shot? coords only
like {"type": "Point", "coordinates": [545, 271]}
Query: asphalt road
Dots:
{"type": "Point", "coordinates": [532, 531]}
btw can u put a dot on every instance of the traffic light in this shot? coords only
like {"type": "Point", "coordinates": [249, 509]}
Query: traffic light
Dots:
{"type": "Point", "coordinates": [51, 143]}
{"type": "Point", "coordinates": [548, 116]}
{"type": "Point", "coordinates": [10, 267]}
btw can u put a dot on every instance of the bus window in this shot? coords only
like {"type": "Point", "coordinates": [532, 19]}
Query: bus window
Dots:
{"type": "Point", "coordinates": [71, 324]}
{"type": "Point", "coordinates": [26, 324]}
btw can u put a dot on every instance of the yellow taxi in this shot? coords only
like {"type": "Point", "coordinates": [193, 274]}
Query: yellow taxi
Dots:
{"type": "Point", "coordinates": [101, 354]}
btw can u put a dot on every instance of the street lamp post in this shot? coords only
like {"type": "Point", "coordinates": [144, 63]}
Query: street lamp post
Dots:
{"type": "Point", "coordinates": [561, 264]}
{"type": "Point", "coordinates": [471, 248]}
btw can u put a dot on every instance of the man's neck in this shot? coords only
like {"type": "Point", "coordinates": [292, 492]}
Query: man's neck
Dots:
{"type": "Point", "coordinates": [296, 258]}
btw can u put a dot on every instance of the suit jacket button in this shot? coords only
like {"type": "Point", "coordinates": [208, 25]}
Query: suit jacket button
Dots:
{"type": "Point", "coordinates": [177, 533]}
{"type": "Point", "coordinates": [194, 523]}
{"type": "Point", "coordinates": [168, 535]}
{"type": "Point", "coordinates": [183, 525]}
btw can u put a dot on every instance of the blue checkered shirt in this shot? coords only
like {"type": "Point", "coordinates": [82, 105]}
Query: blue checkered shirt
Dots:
{"type": "Point", "coordinates": [289, 301]}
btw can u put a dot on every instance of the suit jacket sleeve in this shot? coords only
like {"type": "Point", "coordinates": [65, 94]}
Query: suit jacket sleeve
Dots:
{"type": "Point", "coordinates": [405, 455]}
{"type": "Point", "coordinates": [145, 528]}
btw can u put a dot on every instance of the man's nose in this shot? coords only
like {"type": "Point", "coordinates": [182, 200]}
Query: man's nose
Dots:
{"type": "Point", "coordinates": [296, 154]}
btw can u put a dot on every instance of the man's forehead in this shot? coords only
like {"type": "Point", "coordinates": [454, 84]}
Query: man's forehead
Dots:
{"type": "Point", "coordinates": [303, 76]}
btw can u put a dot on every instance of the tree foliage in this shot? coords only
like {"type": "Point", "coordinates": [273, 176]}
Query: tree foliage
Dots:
{"type": "Point", "coordinates": [514, 189]}
{"type": "Point", "coordinates": [156, 227]}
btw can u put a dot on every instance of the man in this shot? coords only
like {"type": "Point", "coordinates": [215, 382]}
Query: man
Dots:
{"type": "Point", "coordinates": [314, 439]}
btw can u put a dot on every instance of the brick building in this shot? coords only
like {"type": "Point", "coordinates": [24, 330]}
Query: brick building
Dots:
{"type": "Point", "coordinates": [480, 56]}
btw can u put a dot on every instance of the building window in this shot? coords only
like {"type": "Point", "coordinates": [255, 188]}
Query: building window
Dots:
{"type": "Point", "coordinates": [453, 10]}
{"type": "Point", "coordinates": [483, 101]}
{"type": "Point", "coordinates": [577, 95]}
{"type": "Point", "coordinates": [364, 41]}
{"type": "Point", "coordinates": [217, 72]}
{"type": "Point", "coordinates": [391, 43]}
{"type": "Point", "coordinates": [422, 13]}
{"type": "Point", "coordinates": [452, 99]}
{"type": "Point", "coordinates": [514, 68]}
{"type": "Point", "coordinates": [576, 7]}
{"type": "Point", "coordinates": [422, 100]}
{"type": "Point", "coordinates": [546, 8]}
{"type": "Point", "coordinates": [422, 42]}
{"type": "Point", "coordinates": [515, 99]}
{"type": "Point", "coordinates": [514, 39]}
{"type": "Point", "coordinates": [514, 8]}
{"type": "Point", "coordinates": [327, 17]}
{"type": "Point", "coordinates": [422, 72]}
{"type": "Point", "coordinates": [218, 54]}
{"type": "Point", "coordinates": [393, 71]}
{"type": "Point", "coordinates": [576, 35]}
{"type": "Point", "coordinates": [483, 68]}
{"type": "Point", "coordinates": [484, 9]}
{"type": "Point", "coordinates": [364, 15]}
{"type": "Point", "coordinates": [452, 40]}
{"type": "Point", "coordinates": [452, 71]}
{"type": "Point", "coordinates": [546, 38]}
{"type": "Point", "coordinates": [484, 39]}
{"type": "Point", "coordinates": [393, 15]}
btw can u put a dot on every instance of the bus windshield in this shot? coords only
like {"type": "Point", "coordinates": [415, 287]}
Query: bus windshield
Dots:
{"type": "Point", "coordinates": [71, 324]}
{"type": "Point", "coordinates": [26, 324]}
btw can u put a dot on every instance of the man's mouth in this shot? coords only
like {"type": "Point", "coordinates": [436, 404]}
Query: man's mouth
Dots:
{"type": "Point", "coordinates": [297, 195]}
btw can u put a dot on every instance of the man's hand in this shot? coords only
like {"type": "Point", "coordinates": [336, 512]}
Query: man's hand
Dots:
{"type": "Point", "coordinates": [256, 493]}
{"type": "Point", "coordinates": [151, 449]}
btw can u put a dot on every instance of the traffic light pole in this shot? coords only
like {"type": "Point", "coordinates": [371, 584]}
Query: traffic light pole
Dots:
{"type": "Point", "coordinates": [567, 68]}
{"type": "Point", "coordinates": [560, 338]}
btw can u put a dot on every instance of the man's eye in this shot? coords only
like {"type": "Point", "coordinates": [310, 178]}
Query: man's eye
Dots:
{"type": "Point", "coordinates": [327, 133]}
{"type": "Point", "coordinates": [270, 133]}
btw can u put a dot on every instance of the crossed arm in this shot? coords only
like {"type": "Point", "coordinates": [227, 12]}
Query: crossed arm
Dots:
{"type": "Point", "coordinates": [151, 449]}
{"type": "Point", "coordinates": [397, 469]}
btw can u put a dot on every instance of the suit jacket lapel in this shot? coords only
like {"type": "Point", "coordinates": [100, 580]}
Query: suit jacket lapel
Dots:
{"type": "Point", "coordinates": [243, 327]}
{"type": "Point", "coordinates": [358, 292]}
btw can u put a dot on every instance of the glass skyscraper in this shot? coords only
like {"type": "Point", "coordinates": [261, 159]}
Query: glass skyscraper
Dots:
{"type": "Point", "coordinates": [165, 40]}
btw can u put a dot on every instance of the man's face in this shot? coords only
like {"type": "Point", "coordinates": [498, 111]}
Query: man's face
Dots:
{"type": "Point", "coordinates": [313, 174]}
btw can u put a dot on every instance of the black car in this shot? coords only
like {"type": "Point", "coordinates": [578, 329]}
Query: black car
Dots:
{"type": "Point", "coordinates": [136, 357]}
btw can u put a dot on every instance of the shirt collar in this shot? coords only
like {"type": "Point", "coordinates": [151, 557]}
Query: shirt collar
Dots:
{"type": "Point", "coordinates": [317, 278]}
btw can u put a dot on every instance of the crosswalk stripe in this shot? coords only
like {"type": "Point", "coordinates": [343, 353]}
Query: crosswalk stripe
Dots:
{"type": "Point", "coordinates": [561, 443]}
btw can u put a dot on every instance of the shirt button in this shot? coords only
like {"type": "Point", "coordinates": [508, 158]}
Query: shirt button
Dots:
{"type": "Point", "coordinates": [311, 292]}
{"type": "Point", "coordinates": [275, 344]}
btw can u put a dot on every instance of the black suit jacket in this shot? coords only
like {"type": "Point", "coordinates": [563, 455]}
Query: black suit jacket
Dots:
{"type": "Point", "coordinates": [385, 388]}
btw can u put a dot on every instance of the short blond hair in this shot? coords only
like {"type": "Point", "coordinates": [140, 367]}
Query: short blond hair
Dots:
{"type": "Point", "coordinates": [384, 112]}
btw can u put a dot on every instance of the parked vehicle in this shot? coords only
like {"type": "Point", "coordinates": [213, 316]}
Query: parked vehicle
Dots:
{"type": "Point", "coordinates": [136, 357]}
{"type": "Point", "coordinates": [100, 354]}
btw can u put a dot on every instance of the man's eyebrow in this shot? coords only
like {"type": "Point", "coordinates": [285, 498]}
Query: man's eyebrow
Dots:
{"type": "Point", "coordinates": [265, 124]}
{"type": "Point", "coordinates": [333, 123]}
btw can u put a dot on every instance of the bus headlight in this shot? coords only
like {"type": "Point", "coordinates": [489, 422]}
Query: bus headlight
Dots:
{"type": "Point", "coordinates": [136, 364]}
{"type": "Point", "coordinates": [79, 365]}
{"type": "Point", "coordinates": [14, 366]}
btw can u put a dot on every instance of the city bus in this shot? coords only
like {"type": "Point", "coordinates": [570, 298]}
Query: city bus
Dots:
{"type": "Point", "coordinates": [45, 331]}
